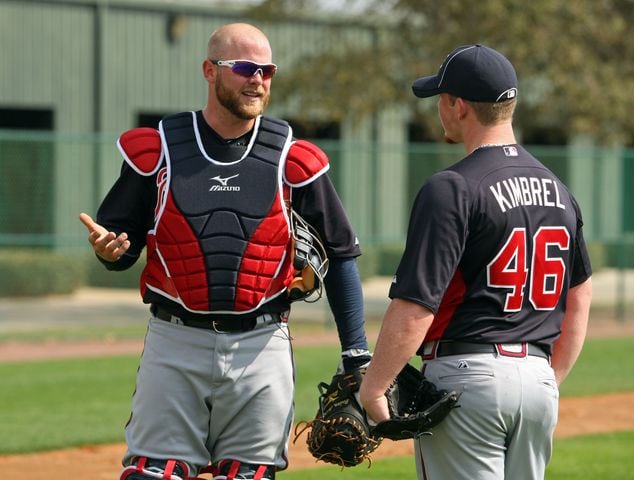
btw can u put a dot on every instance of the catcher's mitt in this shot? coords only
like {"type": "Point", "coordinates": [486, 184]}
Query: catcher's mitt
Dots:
{"type": "Point", "coordinates": [415, 405]}
{"type": "Point", "coordinates": [340, 432]}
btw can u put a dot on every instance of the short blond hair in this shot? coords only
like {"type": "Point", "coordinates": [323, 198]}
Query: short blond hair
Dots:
{"type": "Point", "coordinates": [491, 113]}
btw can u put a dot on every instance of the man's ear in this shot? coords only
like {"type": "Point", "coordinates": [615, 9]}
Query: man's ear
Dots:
{"type": "Point", "coordinates": [463, 107]}
{"type": "Point", "coordinates": [209, 70]}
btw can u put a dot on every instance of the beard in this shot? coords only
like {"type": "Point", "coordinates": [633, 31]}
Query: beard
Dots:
{"type": "Point", "coordinates": [233, 101]}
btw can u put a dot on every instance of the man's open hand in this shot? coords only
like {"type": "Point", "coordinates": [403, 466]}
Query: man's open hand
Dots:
{"type": "Point", "coordinates": [106, 244]}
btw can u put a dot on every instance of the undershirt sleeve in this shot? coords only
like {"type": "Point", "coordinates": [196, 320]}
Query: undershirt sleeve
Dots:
{"type": "Point", "coordinates": [319, 204]}
{"type": "Point", "coordinates": [345, 298]}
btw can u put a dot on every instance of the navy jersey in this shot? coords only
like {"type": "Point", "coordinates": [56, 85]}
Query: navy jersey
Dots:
{"type": "Point", "coordinates": [494, 243]}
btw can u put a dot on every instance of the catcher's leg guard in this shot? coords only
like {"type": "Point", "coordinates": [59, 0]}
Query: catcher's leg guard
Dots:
{"type": "Point", "coordinates": [235, 470]}
{"type": "Point", "coordinates": [151, 469]}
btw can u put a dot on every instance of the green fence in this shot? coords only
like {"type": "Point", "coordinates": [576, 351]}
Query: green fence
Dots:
{"type": "Point", "coordinates": [46, 179]}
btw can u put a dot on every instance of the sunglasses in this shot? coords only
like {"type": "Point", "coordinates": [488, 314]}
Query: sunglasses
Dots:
{"type": "Point", "coordinates": [247, 68]}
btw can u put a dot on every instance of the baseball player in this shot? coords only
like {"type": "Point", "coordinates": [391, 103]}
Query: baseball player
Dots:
{"type": "Point", "coordinates": [493, 289]}
{"type": "Point", "coordinates": [238, 218]}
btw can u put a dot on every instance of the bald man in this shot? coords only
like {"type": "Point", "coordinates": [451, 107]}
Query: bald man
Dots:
{"type": "Point", "coordinates": [222, 199]}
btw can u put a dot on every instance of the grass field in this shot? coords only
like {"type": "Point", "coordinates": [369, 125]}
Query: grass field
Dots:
{"type": "Point", "coordinates": [61, 403]}
{"type": "Point", "coordinates": [597, 457]}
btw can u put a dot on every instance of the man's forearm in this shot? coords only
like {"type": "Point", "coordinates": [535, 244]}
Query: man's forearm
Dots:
{"type": "Point", "coordinates": [402, 332]}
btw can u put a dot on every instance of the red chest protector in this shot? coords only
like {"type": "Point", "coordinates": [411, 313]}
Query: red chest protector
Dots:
{"type": "Point", "coordinates": [221, 237]}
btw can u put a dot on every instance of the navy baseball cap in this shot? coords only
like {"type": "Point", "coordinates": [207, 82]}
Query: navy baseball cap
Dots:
{"type": "Point", "coordinates": [473, 72]}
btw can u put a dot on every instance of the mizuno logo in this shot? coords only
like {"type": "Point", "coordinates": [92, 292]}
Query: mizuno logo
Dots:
{"type": "Point", "coordinates": [223, 181]}
{"type": "Point", "coordinates": [222, 184]}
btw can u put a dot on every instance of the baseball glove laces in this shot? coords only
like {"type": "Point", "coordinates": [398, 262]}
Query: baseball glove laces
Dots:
{"type": "Point", "coordinates": [340, 432]}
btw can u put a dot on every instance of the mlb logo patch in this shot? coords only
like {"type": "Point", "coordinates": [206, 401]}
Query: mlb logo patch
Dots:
{"type": "Point", "coordinates": [510, 151]}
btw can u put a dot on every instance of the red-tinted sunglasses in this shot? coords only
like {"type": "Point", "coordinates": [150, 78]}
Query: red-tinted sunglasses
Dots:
{"type": "Point", "coordinates": [247, 68]}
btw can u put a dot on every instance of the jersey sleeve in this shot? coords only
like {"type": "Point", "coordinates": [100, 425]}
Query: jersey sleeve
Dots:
{"type": "Point", "coordinates": [436, 237]}
{"type": "Point", "coordinates": [128, 207]}
{"type": "Point", "coordinates": [581, 267]}
{"type": "Point", "coordinates": [318, 203]}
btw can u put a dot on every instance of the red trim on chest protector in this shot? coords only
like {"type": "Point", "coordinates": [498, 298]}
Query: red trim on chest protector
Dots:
{"type": "Point", "coordinates": [304, 160]}
{"type": "Point", "coordinates": [181, 252]}
{"type": "Point", "coordinates": [142, 147]}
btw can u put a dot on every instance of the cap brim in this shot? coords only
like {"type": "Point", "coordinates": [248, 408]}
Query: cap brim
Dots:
{"type": "Point", "coordinates": [426, 86]}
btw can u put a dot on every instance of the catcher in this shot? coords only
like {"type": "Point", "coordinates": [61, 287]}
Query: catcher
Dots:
{"type": "Point", "coordinates": [224, 198]}
{"type": "Point", "coordinates": [341, 432]}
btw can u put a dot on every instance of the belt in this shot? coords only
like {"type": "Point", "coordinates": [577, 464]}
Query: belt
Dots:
{"type": "Point", "coordinates": [223, 324]}
{"type": "Point", "coordinates": [445, 348]}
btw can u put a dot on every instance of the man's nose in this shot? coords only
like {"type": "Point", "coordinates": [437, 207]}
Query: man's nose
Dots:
{"type": "Point", "coordinates": [257, 77]}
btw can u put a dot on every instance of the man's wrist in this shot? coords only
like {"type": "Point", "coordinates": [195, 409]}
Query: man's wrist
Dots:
{"type": "Point", "coordinates": [355, 358]}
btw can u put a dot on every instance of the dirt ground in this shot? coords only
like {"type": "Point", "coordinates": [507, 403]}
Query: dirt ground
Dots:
{"type": "Point", "coordinates": [577, 416]}
{"type": "Point", "coordinates": [24, 351]}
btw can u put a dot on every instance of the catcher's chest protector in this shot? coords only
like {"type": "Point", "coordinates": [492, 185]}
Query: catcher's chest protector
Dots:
{"type": "Point", "coordinates": [222, 231]}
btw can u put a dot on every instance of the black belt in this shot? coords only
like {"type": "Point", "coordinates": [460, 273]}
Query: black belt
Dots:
{"type": "Point", "coordinates": [239, 323]}
{"type": "Point", "coordinates": [446, 348]}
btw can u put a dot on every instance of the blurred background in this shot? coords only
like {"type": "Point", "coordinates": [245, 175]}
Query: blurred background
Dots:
{"type": "Point", "coordinates": [74, 74]}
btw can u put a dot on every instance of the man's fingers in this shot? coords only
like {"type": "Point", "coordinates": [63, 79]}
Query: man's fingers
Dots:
{"type": "Point", "coordinates": [122, 248]}
{"type": "Point", "coordinates": [87, 220]}
{"type": "Point", "coordinates": [102, 240]}
{"type": "Point", "coordinates": [111, 247]}
{"type": "Point", "coordinates": [119, 244]}
{"type": "Point", "coordinates": [376, 408]}
{"type": "Point", "coordinates": [106, 244]}
{"type": "Point", "coordinates": [93, 237]}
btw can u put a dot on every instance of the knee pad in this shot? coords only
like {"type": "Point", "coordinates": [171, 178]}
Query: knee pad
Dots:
{"type": "Point", "coordinates": [143, 468]}
{"type": "Point", "coordinates": [235, 470]}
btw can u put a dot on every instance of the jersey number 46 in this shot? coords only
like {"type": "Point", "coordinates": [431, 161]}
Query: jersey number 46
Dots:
{"type": "Point", "coordinates": [509, 269]}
